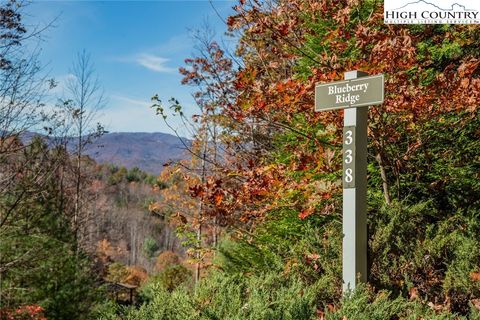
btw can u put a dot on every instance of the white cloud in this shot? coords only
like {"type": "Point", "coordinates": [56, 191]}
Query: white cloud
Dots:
{"type": "Point", "coordinates": [131, 101]}
{"type": "Point", "coordinates": [154, 63]}
{"type": "Point", "coordinates": [133, 114]}
{"type": "Point", "coordinates": [130, 114]}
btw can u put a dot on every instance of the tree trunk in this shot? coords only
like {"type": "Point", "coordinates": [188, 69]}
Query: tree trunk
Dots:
{"type": "Point", "coordinates": [383, 174]}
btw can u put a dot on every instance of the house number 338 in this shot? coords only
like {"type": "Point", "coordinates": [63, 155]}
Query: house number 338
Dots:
{"type": "Point", "coordinates": [349, 157]}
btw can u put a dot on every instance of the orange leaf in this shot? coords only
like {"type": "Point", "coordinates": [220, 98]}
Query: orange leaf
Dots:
{"type": "Point", "coordinates": [305, 213]}
{"type": "Point", "coordinates": [218, 198]}
{"type": "Point", "coordinates": [475, 276]}
{"type": "Point", "coordinates": [413, 293]}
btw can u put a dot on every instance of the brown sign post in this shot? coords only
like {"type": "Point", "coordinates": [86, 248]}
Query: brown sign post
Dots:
{"type": "Point", "coordinates": [355, 94]}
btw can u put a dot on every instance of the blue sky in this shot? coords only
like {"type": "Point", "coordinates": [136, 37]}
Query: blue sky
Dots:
{"type": "Point", "coordinates": [136, 46]}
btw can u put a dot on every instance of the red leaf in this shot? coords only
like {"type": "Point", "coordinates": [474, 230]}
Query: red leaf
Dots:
{"type": "Point", "coordinates": [305, 213]}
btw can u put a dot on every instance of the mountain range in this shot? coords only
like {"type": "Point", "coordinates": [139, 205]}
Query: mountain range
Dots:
{"type": "Point", "coordinates": [147, 151]}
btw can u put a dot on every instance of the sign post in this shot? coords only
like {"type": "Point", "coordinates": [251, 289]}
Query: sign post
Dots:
{"type": "Point", "coordinates": [355, 94]}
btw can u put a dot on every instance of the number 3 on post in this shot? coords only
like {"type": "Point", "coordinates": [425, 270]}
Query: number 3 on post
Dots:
{"type": "Point", "coordinates": [348, 157]}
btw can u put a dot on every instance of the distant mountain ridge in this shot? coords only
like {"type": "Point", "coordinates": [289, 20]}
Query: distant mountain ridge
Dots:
{"type": "Point", "coordinates": [147, 151]}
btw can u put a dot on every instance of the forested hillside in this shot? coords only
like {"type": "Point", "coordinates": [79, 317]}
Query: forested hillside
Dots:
{"type": "Point", "coordinates": [147, 151]}
{"type": "Point", "coordinates": [58, 262]}
{"type": "Point", "coordinates": [257, 207]}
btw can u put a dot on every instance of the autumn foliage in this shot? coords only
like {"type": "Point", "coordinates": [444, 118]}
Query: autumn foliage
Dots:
{"type": "Point", "coordinates": [27, 312]}
{"type": "Point", "coordinates": [270, 173]}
